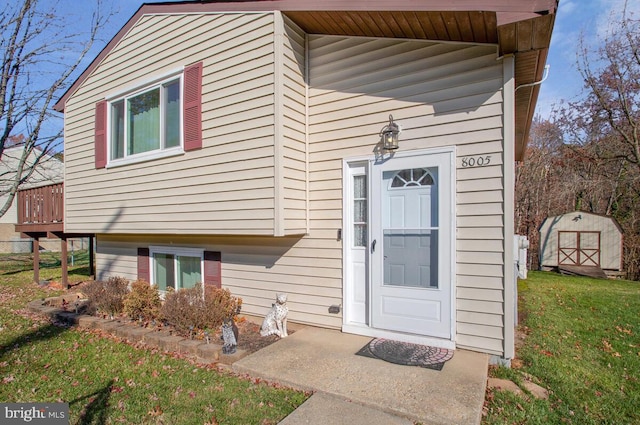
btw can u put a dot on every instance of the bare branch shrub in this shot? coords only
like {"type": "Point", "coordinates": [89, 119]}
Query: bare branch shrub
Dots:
{"type": "Point", "coordinates": [184, 310]}
{"type": "Point", "coordinates": [190, 310]}
{"type": "Point", "coordinates": [107, 297]}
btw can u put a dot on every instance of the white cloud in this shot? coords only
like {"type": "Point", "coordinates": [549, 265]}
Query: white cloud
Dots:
{"type": "Point", "coordinates": [567, 7]}
{"type": "Point", "coordinates": [610, 12]}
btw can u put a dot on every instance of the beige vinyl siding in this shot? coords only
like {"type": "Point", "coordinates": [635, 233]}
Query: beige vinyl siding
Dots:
{"type": "Point", "coordinates": [253, 268]}
{"type": "Point", "coordinates": [228, 185]}
{"type": "Point", "coordinates": [480, 248]}
{"type": "Point", "coordinates": [442, 94]}
{"type": "Point", "coordinates": [293, 115]}
{"type": "Point", "coordinates": [115, 258]}
{"type": "Point", "coordinates": [610, 237]}
{"type": "Point", "coordinates": [249, 153]}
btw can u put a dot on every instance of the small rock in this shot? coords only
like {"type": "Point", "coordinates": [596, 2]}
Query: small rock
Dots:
{"type": "Point", "coordinates": [505, 385]}
{"type": "Point", "coordinates": [537, 391]}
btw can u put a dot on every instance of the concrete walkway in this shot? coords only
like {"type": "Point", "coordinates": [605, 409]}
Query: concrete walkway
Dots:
{"type": "Point", "coordinates": [354, 390]}
{"type": "Point", "coordinates": [348, 389]}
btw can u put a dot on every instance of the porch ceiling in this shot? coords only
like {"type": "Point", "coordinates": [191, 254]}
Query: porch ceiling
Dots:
{"type": "Point", "coordinates": [451, 26]}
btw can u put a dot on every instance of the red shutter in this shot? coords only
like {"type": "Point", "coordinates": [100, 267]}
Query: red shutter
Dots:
{"type": "Point", "coordinates": [143, 265]}
{"type": "Point", "coordinates": [192, 107]}
{"type": "Point", "coordinates": [213, 268]}
{"type": "Point", "coordinates": [101, 134]}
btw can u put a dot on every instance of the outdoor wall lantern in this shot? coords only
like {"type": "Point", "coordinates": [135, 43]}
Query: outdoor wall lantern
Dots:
{"type": "Point", "coordinates": [389, 135]}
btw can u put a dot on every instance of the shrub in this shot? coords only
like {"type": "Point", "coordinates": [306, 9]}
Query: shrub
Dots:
{"type": "Point", "coordinates": [184, 310]}
{"type": "Point", "coordinates": [143, 302]}
{"type": "Point", "coordinates": [189, 310]}
{"type": "Point", "coordinates": [220, 305]}
{"type": "Point", "coordinates": [107, 297]}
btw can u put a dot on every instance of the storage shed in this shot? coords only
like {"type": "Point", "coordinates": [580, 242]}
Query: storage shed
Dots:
{"type": "Point", "coordinates": [581, 238]}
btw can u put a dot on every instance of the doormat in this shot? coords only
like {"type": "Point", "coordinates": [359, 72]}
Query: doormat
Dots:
{"type": "Point", "coordinates": [406, 353]}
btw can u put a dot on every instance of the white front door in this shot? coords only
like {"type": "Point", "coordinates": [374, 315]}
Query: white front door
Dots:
{"type": "Point", "coordinates": [410, 244]}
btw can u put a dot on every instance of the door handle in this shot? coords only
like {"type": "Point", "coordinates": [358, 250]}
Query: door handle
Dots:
{"type": "Point", "coordinates": [373, 246]}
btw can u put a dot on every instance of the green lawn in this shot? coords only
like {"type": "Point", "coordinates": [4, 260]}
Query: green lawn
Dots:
{"type": "Point", "coordinates": [13, 263]}
{"type": "Point", "coordinates": [105, 381]}
{"type": "Point", "coordinates": [583, 344]}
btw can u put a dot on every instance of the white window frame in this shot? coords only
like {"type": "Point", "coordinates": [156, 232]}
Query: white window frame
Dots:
{"type": "Point", "coordinates": [175, 251]}
{"type": "Point", "coordinates": [133, 92]}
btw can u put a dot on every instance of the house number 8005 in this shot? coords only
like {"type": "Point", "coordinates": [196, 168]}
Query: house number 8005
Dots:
{"type": "Point", "coordinates": [476, 161]}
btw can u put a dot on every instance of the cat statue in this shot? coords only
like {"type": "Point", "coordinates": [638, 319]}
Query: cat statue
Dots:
{"type": "Point", "coordinates": [275, 322]}
{"type": "Point", "coordinates": [229, 336]}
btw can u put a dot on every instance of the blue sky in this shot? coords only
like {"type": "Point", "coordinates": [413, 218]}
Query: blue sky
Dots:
{"type": "Point", "coordinates": [590, 18]}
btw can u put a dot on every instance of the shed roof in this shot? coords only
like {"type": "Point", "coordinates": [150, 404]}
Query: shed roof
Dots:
{"type": "Point", "coordinates": [519, 27]}
{"type": "Point", "coordinates": [553, 218]}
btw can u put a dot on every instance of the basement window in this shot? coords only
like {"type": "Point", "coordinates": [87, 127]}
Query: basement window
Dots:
{"type": "Point", "coordinates": [176, 268]}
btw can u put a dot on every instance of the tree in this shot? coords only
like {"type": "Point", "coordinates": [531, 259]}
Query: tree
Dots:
{"type": "Point", "coordinates": [610, 113]}
{"type": "Point", "coordinates": [39, 58]}
{"type": "Point", "coordinates": [535, 179]}
{"type": "Point", "coordinates": [550, 181]}
{"type": "Point", "coordinates": [601, 133]}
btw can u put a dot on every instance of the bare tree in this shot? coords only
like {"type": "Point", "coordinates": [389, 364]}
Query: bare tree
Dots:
{"type": "Point", "coordinates": [602, 136]}
{"type": "Point", "coordinates": [607, 120]}
{"type": "Point", "coordinates": [40, 56]}
{"type": "Point", "coordinates": [541, 183]}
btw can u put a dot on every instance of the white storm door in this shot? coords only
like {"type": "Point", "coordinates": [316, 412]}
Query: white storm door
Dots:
{"type": "Point", "coordinates": [411, 244]}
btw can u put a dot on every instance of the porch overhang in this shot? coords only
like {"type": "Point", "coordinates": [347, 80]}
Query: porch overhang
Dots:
{"type": "Point", "coordinates": [522, 32]}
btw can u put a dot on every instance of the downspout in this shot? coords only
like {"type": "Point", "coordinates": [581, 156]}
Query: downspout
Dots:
{"type": "Point", "coordinates": [510, 275]}
{"type": "Point", "coordinates": [306, 131]}
{"type": "Point", "coordinates": [535, 83]}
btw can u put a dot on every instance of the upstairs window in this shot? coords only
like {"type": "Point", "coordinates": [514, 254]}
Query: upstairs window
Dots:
{"type": "Point", "coordinates": [154, 121]}
{"type": "Point", "coordinates": [147, 121]}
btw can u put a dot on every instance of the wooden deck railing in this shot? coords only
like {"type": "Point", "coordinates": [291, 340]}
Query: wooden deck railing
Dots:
{"type": "Point", "coordinates": [41, 205]}
{"type": "Point", "coordinates": [41, 215]}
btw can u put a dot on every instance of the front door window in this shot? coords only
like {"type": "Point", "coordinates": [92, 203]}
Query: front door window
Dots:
{"type": "Point", "coordinates": [360, 210]}
{"type": "Point", "coordinates": [410, 228]}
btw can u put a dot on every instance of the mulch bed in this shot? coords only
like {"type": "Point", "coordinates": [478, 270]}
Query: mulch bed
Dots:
{"type": "Point", "coordinates": [249, 338]}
